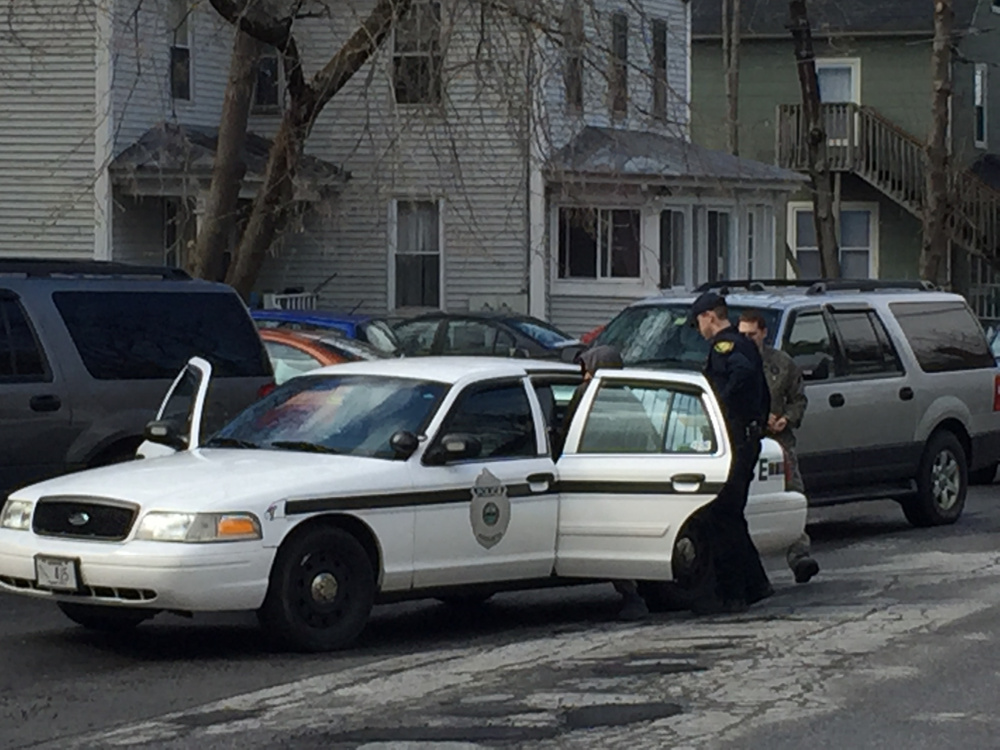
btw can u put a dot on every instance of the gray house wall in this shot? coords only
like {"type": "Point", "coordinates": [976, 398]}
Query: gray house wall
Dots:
{"type": "Point", "coordinates": [48, 121]}
{"type": "Point", "coordinates": [981, 47]}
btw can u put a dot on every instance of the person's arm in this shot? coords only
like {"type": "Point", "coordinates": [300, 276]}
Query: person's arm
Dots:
{"type": "Point", "coordinates": [796, 401]}
{"type": "Point", "coordinates": [739, 374]}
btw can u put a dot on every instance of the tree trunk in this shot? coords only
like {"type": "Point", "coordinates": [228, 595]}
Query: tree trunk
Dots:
{"type": "Point", "coordinates": [275, 199]}
{"type": "Point", "coordinates": [819, 167]}
{"type": "Point", "coordinates": [936, 207]}
{"type": "Point", "coordinates": [228, 169]}
{"type": "Point", "coordinates": [731, 60]}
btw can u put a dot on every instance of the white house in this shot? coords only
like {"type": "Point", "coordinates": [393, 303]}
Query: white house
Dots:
{"type": "Point", "coordinates": [477, 160]}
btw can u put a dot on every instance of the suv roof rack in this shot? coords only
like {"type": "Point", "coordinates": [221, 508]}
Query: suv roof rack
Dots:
{"type": "Point", "coordinates": [815, 286]}
{"type": "Point", "coordinates": [42, 268]}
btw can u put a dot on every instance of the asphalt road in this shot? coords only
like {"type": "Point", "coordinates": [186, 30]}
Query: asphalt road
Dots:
{"type": "Point", "coordinates": [894, 644]}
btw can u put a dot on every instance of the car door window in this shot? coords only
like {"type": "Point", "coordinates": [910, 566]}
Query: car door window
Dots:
{"type": "Point", "coordinates": [21, 358]}
{"type": "Point", "coordinates": [498, 416]}
{"type": "Point", "coordinates": [416, 338]}
{"type": "Point", "coordinates": [865, 352]}
{"type": "Point", "coordinates": [627, 418]}
{"type": "Point", "coordinates": [809, 343]}
{"type": "Point", "coordinates": [505, 344]}
{"type": "Point", "coordinates": [288, 361]}
{"type": "Point", "coordinates": [471, 337]}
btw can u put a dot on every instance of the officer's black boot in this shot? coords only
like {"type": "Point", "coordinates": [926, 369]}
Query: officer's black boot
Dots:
{"type": "Point", "coordinates": [804, 569]}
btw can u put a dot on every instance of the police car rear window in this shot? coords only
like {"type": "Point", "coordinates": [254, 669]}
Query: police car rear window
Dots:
{"type": "Point", "coordinates": [151, 335]}
{"type": "Point", "coordinates": [944, 336]}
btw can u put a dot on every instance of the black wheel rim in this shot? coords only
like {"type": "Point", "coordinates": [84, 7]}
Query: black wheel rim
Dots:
{"type": "Point", "coordinates": [320, 587]}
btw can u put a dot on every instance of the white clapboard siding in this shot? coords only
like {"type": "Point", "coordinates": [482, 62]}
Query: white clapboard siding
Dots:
{"type": "Point", "coordinates": [47, 128]}
{"type": "Point", "coordinates": [578, 315]}
{"type": "Point", "coordinates": [141, 58]}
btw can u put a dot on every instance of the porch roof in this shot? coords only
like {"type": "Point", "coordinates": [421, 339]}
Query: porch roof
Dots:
{"type": "Point", "coordinates": [631, 154]}
{"type": "Point", "coordinates": [184, 153]}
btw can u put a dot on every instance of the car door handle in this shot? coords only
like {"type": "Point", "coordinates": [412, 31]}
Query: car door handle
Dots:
{"type": "Point", "coordinates": [45, 403]}
{"type": "Point", "coordinates": [541, 479]}
{"type": "Point", "coordinates": [694, 480]}
{"type": "Point", "coordinates": [836, 400]}
{"type": "Point", "coordinates": [906, 393]}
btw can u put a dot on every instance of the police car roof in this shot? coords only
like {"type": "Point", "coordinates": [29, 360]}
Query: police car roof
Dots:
{"type": "Point", "coordinates": [446, 369]}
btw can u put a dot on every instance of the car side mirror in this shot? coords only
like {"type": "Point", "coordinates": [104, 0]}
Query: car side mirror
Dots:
{"type": "Point", "coordinates": [820, 372]}
{"type": "Point", "coordinates": [453, 447]}
{"type": "Point", "coordinates": [165, 432]}
{"type": "Point", "coordinates": [404, 444]}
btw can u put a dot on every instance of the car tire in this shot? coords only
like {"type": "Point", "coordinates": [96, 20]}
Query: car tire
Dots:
{"type": "Point", "coordinates": [693, 571]}
{"type": "Point", "coordinates": [986, 475]}
{"type": "Point", "coordinates": [106, 619]}
{"type": "Point", "coordinates": [942, 483]}
{"type": "Point", "coordinates": [321, 591]}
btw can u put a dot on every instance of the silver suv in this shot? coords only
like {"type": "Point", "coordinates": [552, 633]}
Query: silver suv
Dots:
{"type": "Point", "coordinates": [87, 350]}
{"type": "Point", "coordinates": [904, 393]}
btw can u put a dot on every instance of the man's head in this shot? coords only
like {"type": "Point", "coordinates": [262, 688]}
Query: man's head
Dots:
{"type": "Point", "coordinates": [600, 357]}
{"type": "Point", "coordinates": [709, 314]}
{"type": "Point", "coordinates": [754, 327]}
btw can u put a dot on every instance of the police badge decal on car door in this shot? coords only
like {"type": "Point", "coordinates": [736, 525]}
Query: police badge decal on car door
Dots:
{"type": "Point", "coordinates": [490, 510]}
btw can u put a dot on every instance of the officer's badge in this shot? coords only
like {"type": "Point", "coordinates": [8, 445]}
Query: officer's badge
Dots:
{"type": "Point", "coordinates": [724, 347]}
{"type": "Point", "coordinates": [490, 511]}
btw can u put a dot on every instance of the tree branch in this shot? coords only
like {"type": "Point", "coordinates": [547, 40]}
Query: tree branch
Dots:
{"type": "Point", "coordinates": [277, 32]}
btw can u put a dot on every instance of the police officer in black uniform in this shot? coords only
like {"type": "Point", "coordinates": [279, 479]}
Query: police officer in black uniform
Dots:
{"type": "Point", "coordinates": [736, 372]}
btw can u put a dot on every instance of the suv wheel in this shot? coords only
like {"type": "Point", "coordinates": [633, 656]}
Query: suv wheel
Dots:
{"type": "Point", "coordinates": [321, 591]}
{"type": "Point", "coordinates": [942, 483]}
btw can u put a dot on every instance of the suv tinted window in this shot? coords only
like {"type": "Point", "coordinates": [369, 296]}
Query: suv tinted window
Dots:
{"type": "Point", "coordinates": [659, 333]}
{"type": "Point", "coordinates": [865, 350]}
{"type": "Point", "coordinates": [149, 335]}
{"type": "Point", "coordinates": [808, 343]}
{"type": "Point", "coordinates": [944, 336]}
{"type": "Point", "coordinates": [21, 357]}
{"type": "Point", "coordinates": [499, 417]}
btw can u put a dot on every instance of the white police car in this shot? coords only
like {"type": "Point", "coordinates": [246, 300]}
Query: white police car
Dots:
{"type": "Point", "coordinates": [387, 479]}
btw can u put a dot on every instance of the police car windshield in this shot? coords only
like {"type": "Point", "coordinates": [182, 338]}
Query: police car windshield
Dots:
{"type": "Point", "coordinates": [659, 334]}
{"type": "Point", "coordinates": [354, 415]}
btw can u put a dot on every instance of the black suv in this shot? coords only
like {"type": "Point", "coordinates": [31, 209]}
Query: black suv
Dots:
{"type": "Point", "coordinates": [88, 350]}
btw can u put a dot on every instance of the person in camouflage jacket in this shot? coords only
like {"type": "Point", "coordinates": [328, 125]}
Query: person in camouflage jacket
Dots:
{"type": "Point", "coordinates": [788, 407]}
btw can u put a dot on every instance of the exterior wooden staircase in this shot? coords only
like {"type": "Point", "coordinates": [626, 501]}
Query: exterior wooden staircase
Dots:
{"type": "Point", "coordinates": [863, 142]}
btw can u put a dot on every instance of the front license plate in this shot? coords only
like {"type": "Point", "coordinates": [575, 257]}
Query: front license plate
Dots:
{"type": "Point", "coordinates": [56, 573]}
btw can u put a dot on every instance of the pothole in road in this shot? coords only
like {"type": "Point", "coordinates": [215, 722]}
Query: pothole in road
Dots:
{"type": "Point", "coordinates": [222, 716]}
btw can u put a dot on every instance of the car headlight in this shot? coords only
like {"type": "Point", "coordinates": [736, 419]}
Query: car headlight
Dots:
{"type": "Point", "coordinates": [159, 526]}
{"type": "Point", "coordinates": [16, 515]}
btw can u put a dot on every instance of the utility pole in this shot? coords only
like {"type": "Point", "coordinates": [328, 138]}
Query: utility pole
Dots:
{"type": "Point", "coordinates": [819, 165]}
{"type": "Point", "coordinates": [936, 207]}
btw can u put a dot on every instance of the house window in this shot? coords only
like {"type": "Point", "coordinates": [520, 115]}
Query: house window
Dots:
{"type": "Point", "coordinates": [618, 75]}
{"type": "Point", "coordinates": [858, 245]}
{"type": "Point", "coordinates": [719, 244]}
{"type": "Point", "coordinates": [417, 262]}
{"type": "Point", "coordinates": [672, 246]}
{"type": "Point", "coordinates": [660, 70]}
{"type": "Point", "coordinates": [599, 243]}
{"type": "Point", "coordinates": [839, 83]}
{"type": "Point", "coordinates": [575, 42]}
{"type": "Point", "coordinates": [417, 58]}
{"type": "Point", "coordinates": [180, 50]}
{"type": "Point", "coordinates": [980, 94]}
{"type": "Point", "coordinates": [267, 86]}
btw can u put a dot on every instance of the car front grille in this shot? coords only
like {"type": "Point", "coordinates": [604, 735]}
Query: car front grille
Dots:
{"type": "Point", "coordinates": [84, 518]}
{"type": "Point", "coordinates": [103, 593]}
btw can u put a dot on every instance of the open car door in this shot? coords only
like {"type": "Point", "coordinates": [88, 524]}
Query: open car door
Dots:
{"type": "Point", "coordinates": [178, 423]}
{"type": "Point", "coordinates": [644, 452]}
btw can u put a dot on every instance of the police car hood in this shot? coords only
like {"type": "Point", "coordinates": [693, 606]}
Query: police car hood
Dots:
{"type": "Point", "coordinates": [226, 479]}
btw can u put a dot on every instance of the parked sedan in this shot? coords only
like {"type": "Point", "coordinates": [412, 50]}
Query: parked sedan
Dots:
{"type": "Point", "coordinates": [295, 352]}
{"type": "Point", "coordinates": [373, 331]}
{"type": "Point", "coordinates": [484, 334]}
{"type": "Point", "coordinates": [373, 481]}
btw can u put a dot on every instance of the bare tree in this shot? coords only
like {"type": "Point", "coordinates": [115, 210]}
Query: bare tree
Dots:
{"type": "Point", "coordinates": [936, 196]}
{"type": "Point", "coordinates": [272, 23]}
{"type": "Point", "coordinates": [731, 61]}
{"type": "Point", "coordinates": [228, 170]}
{"type": "Point", "coordinates": [819, 166]}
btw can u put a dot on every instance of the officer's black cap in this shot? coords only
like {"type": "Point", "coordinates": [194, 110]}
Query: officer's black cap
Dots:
{"type": "Point", "coordinates": [707, 301]}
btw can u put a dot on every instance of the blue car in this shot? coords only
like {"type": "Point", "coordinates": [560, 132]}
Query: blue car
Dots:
{"type": "Point", "coordinates": [373, 331]}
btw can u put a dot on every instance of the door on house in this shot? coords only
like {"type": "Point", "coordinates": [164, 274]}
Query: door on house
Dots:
{"type": "Point", "coordinates": [839, 83]}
